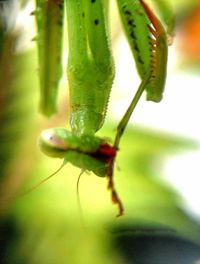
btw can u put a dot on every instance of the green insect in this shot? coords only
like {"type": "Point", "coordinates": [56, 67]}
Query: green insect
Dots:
{"type": "Point", "coordinates": [87, 152]}
{"type": "Point", "coordinates": [90, 67]}
{"type": "Point", "coordinates": [49, 19]}
{"type": "Point", "coordinates": [90, 74]}
{"type": "Point", "coordinates": [148, 44]}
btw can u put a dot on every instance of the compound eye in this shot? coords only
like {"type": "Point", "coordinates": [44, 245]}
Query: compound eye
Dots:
{"type": "Point", "coordinates": [52, 138]}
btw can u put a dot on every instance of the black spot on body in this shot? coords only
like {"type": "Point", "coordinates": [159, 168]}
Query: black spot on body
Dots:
{"type": "Point", "coordinates": [96, 21]}
{"type": "Point", "coordinates": [127, 12]}
{"type": "Point", "coordinates": [83, 14]}
{"type": "Point", "coordinates": [136, 48]}
{"type": "Point", "coordinates": [132, 35]}
{"type": "Point", "coordinates": [130, 22]}
{"type": "Point", "coordinates": [93, 1]}
{"type": "Point", "coordinates": [60, 4]}
{"type": "Point", "coordinates": [140, 60]}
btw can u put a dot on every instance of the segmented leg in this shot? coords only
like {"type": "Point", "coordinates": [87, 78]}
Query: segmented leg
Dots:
{"type": "Point", "coordinates": [159, 54]}
{"type": "Point", "coordinates": [49, 18]}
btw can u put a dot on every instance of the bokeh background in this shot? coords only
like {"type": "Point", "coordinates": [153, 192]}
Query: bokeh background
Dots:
{"type": "Point", "coordinates": [157, 168]}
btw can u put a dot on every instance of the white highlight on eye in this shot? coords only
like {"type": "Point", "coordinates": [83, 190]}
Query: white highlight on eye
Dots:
{"type": "Point", "coordinates": [53, 140]}
{"type": "Point", "coordinates": [47, 135]}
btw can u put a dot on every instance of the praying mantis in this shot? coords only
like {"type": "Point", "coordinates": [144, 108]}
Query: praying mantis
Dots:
{"type": "Point", "coordinates": [90, 73]}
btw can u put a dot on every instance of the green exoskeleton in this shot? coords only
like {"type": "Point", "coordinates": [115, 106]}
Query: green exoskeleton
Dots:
{"type": "Point", "coordinates": [90, 73]}
{"type": "Point", "coordinates": [49, 19]}
{"type": "Point", "coordinates": [87, 152]}
{"type": "Point", "coordinates": [90, 67]}
{"type": "Point", "coordinates": [148, 44]}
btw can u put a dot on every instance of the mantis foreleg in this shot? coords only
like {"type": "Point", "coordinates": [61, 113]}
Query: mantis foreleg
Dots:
{"type": "Point", "coordinates": [148, 41]}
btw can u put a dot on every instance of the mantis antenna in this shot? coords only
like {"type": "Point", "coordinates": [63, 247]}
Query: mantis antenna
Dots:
{"type": "Point", "coordinates": [45, 179]}
{"type": "Point", "coordinates": [78, 197]}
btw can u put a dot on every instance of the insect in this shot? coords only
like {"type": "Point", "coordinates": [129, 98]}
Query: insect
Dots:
{"type": "Point", "coordinates": [90, 67]}
{"type": "Point", "coordinates": [86, 152]}
{"type": "Point", "coordinates": [49, 20]}
{"type": "Point", "coordinates": [148, 44]}
{"type": "Point", "coordinates": [90, 74]}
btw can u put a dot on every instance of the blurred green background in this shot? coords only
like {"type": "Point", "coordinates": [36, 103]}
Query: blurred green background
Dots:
{"type": "Point", "coordinates": [46, 225]}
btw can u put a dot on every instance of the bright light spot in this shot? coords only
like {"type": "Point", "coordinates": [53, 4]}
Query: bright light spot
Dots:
{"type": "Point", "coordinates": [183, 173]}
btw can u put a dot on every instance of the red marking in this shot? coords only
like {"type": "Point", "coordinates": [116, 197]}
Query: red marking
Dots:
{"type": "Point", "coordinates": [151, 15]}
{"type": "Point", "coordinates": [107, 150]}
{"type": "Point", "coordinates": [157, 33]}
{"type": "Point", "coordinates": [114, 196]}
{"type": "Point", "coordinates": [159, 30]}
{"type": "Point", "coordinates": [108, 153]}
{"type": "Point", "coordinates": [154, 20]}
{"type": "Point", "coordinates": [105, 153]}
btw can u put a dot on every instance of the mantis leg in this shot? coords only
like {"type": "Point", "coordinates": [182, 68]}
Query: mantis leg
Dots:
{"type": "Point", "coordinates": [148, 42]}
{"type": "Point", "coordinates": [90, 66]}
{"type": "Point", "coordinates": [77, 38]}
{"type": "Point", "coordinates": [49, 19]}
{"type": "Point", "coordinates": [125, 119]}
{"type": "Point", "coordinates": [120, 130]}
{"type": "Point", "coordinates": [95, 15]}
{"type": "Point", "coordinates": [159, 55]}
